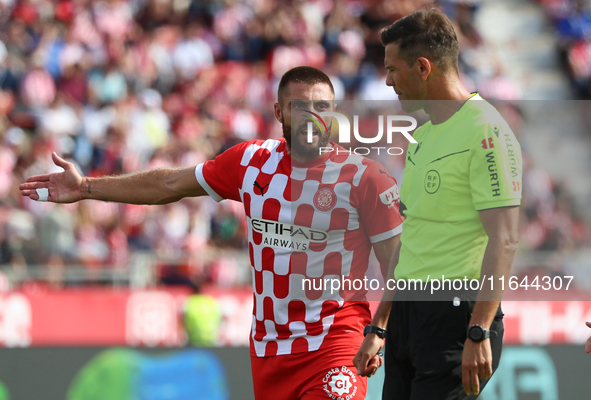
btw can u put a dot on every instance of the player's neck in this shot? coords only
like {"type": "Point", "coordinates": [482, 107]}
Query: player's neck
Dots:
{"type": "Point", "coordinates": [295, 156]}
{"type": "Point", "coordinates": [445, 99]}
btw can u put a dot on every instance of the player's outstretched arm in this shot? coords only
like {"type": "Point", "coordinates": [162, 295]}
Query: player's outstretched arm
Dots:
{"type": "Point", "coordinates": [158, 186]}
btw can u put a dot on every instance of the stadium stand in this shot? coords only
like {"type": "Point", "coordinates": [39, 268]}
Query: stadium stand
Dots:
{"type": "Point", "coordinates": [118, 86]}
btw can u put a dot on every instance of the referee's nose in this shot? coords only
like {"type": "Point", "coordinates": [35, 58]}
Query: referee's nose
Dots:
{"type": "Point", "coordinates": [390, 79]}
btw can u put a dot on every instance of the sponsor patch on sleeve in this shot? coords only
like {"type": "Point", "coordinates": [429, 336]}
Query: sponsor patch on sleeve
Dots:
{"type": "Point", "coordinates": [390, 196]}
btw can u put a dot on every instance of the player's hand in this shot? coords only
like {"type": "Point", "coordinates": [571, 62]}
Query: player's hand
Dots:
{"type": "Point", "coordinates": [588, 345]}
{"type": "Point", "coordinates": [64, 187]}
{"type": "Point", "coordinates": [476, 363]}
{"type": "Point", "coordinates": [367, 360]}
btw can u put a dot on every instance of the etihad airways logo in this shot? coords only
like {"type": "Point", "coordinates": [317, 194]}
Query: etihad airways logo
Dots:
{"type": "Point", "coordinates": [287, 236]}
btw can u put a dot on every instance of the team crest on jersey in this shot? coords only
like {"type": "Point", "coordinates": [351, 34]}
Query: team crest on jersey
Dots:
{"type": "Point", "coordinates": [340, 383]}
{"type": "Point", "coordinates": [325, 199]}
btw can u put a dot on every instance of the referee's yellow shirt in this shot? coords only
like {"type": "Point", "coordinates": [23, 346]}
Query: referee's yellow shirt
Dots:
{"type": "Point", "coordinates": [470, 162]}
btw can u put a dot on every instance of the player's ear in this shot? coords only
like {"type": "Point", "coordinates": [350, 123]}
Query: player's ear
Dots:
{"type": "Point", "coordinates": [278, 113]}
{"type": "Point", "coordinates": [424, 66]}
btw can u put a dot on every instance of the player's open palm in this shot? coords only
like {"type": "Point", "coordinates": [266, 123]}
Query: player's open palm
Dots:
{"type": "Point", "coordinates": [64, 187]}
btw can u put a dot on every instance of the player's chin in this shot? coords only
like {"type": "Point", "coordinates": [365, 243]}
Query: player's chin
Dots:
{"type": "Point", "coordinates": [306, 149]}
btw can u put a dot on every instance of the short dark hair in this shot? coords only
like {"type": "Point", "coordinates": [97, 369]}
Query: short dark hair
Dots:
{"type": "Point", "coordinates": [304, 74]}
{"type": "Point", "coordinates": [426, 32]}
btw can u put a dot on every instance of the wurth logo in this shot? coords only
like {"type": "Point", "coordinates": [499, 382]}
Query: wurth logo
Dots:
{"type": "Point", "coordinates": [494, 176]}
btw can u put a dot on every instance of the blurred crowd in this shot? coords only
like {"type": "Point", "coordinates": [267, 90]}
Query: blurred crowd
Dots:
{"type": "Point", "coordinates": [117, 86]}
{"type": "Point", "coordinates": [572, 22]}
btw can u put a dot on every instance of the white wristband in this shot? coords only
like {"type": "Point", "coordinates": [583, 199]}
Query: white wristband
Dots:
{"type": "Point", "coordinates": [43, 193]}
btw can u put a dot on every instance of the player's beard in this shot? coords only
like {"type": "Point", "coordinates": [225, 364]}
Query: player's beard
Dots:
{"type": "Point", "coordinates": [298, 145]}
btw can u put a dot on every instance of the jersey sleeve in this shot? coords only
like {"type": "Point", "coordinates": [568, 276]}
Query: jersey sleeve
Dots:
{"type": "Point", "coordinates": [495, 168]}
{"type": "Point", "coordinates": [378, 202]}
{"type": "Point", "coordinates": [220, 177]}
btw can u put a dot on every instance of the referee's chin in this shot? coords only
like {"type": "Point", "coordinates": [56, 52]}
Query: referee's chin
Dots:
{"type": "Point", "coordinates": [410, 106]}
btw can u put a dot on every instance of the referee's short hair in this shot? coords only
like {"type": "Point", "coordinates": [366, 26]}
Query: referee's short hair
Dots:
{"type": "Point", "coordinates": [427, 33]}
{"type": "Point", "coordinates": [304, 74]}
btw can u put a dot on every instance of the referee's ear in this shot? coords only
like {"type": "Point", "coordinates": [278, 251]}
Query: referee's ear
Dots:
{"type": "Point", "coordinates": [278, 113]}
{"type": "Point", "coordinates": [425, 67]}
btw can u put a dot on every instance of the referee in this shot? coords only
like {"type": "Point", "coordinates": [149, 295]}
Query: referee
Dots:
{"type": "Point", "coordinates": [461, 193]}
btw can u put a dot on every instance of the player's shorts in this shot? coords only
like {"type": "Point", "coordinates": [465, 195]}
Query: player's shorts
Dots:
{"type": "Point", "coordinates": [327, 373]}
{"type": "Point", "coordinates": [424, 344]}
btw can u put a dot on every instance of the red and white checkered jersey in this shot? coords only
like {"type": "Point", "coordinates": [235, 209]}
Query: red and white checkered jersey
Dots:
{"type": "Point", "coordinates": [307, 221]}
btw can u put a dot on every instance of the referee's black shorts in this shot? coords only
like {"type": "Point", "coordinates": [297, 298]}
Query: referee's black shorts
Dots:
{"type": "Point", "coordinates": [423, 354]}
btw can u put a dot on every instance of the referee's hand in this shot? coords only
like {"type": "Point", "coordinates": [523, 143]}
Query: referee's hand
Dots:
{"type": "Point", "coordinates": [367, 360]}
{"type": "Point", "coordinates": [476, 364]}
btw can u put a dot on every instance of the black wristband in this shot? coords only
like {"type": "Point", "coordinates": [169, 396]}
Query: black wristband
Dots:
{"type": "Point", "coordinates": [374, 329]}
